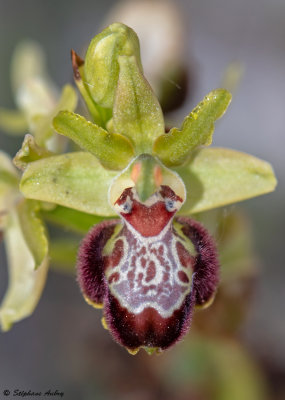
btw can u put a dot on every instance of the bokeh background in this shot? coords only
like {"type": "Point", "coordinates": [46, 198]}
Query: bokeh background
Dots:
{"type": "Point", "coordinates": [63, 345]}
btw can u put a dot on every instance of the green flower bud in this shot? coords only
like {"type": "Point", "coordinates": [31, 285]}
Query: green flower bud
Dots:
{"type": "Point", "coordinates": [101, 64]}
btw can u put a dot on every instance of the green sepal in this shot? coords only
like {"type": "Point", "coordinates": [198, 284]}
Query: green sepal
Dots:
{"type": "Point", "coordinates": [174, 148]}
{"type": "Point", "coordinates": [71, 219]}
{"type": "Point", "coordinates": [42, 124]}
{"type": "Point", "coordinates": [29, 152]}
{"type": "Point", "coordinates": [25, 283]}
{"type": "Point", "coordinates": [76, 180]}
{"type": "Point", "coordinates": [99, 114]}
{"type": "Point", "coordinates": [101, 66]}
{"type": "Point", "coordinates": [215, 177]}
{"type": "Point", "coordinates": [13, 122]}
{"type": "Point", "coordinates": [136, 112]}
{"type": "Point", "coordinates": [113, 150]}
{"type": "Point", "coordinates": [33, 230]}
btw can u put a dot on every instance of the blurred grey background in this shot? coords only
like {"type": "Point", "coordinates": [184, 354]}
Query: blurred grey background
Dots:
{"type": "Point", "coordinates": [62, 346]}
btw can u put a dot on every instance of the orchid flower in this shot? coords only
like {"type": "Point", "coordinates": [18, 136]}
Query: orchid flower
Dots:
{"type": "Point", "coordinates": [151, 264]}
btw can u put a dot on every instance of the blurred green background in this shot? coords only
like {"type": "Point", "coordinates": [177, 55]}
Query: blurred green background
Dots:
{"type": "Point", "coordinates": [63, 345]}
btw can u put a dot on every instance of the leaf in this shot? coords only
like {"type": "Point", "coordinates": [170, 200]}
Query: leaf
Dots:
{"type": "Point", "coordinates": [136, 112]}
{"type": "Point", "coordinates": [25, 284]}
{"type": "Point", "coordinates": [71, 219]}
{"type": "Point", "coordinates": [216, 177]}
{"type": "Point", "coordinates": [173, 148]}
{"type": "Point", "coordinates": [101, 66]}
{"type": "Point", "coordinates": [29, 152]}
{"type": "Point", "coordinates": [33, 230]}
{"type": "Point", "coordinates": [76, 180]}
{"type": "Point", "coordinates": [13, 122]}
{"type": "Point", "coordinates": [113, 150]}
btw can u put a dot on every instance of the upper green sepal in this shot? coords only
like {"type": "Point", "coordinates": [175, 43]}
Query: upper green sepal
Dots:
{"type": "Point", "coordinates": [136, 112]}
{"type": "Point", "coordinates": [174, 148]}
{"type": "Point", "coordinates": [113, 150]}
{"type": "Point", "coordinates": [101, 66]}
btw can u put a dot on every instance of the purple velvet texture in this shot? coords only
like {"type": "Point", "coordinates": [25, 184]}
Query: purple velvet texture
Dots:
{"type": "Point", "coordinates": [90, 263]}
{"type": "Point", "coordinates": [147, 328]}
{"type": "Point", "coordinates": [206, 266]}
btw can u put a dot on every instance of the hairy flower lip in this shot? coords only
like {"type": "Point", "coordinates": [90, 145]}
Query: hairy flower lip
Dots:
{"type": "Point", "coordinates": [107, 251]}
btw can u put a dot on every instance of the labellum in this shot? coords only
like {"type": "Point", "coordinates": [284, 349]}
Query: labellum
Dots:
{"type": "Point", "coordinates": [148, 269]}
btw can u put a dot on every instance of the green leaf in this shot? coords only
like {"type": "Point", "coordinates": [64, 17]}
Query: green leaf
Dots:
{"type": "Point", "coordinates": [173, 148]}
{"type": "Point", "coordinates": [71, 219]}
{"type": "Point", "coordinates": [25, 284]}
{"type": "Point", "coordinates": [33, 230]}
{"type": "Point", "coordinates": [76, 180]}
{"type": "Point", "coordinates": [216, 177]}
{"type": "Point", "coordinates": [13, 122]}
{"type": "Point", "coordinates": [113, 150]}
{"type": "Point", "coordinates": [101, 63]}
{"type": "Point", "coordinates": [29, 152]}
{"type": "Point", "coordinates": [136, 113]}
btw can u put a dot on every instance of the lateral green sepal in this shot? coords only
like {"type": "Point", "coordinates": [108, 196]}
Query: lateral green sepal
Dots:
{"type": "Point", "coordinates": [215, 177]}
{"type": "Point", "coordinates": [76, 180]}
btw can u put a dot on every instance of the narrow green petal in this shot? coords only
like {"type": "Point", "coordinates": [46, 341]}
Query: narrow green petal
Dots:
{"type": "Point", "coordinates": [71, 219]}
{"type": "Point", "coordinates": [76, 180]}
{"type": "Point", "coordinates": [136, 113]}
{"type": "Point", "coordinates": [173, 148]}
{"type": "Point", "coordinates": [33, 230]}
{"type": "Point", "coordinates": [101, 63]}
{"type": "Point", "coordinates": [13, 122]}
{"type": "Point", "coordinates": [113, 150]}
{"type": "Point", "coordinates": [25, 284]}
{"type": "Point", "coordinates": [216, 177]}
{"type": "Point", "coordinates": [29, 152]}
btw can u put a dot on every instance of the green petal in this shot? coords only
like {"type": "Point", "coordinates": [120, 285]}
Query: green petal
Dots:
{"type": "Point", "coordinates": [13, 122]}
{"type": "Point", "coordinates": [29, 152]}
{"type": "Point", "coordinates": [71, 219]}
{"type": "Point", "coordinates": [76, 180]}
{"type": "Point", "coordinates": [25, 284]}
{"type": "Point", "coordinates": [9, 181]}
{"type": "Point", "coordinates": [173, 148]}
{"type": "Point", "coordinates": [216, 177]}
{"type": "Point", "coordinates": [113, 150]}
{"type": "Point", "coordinates": [101, 63]}
{"type": "Point", "coordinates": [136, 113]}
{"type": "Point", "coordinates": [33, 230]}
